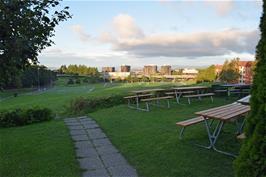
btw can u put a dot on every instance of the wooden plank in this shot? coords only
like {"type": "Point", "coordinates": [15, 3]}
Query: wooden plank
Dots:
{"type": "Point", "coordinates": [199, 95]}
{"type": "Point", "coordinates": [190, 121]}
{"type": "Point", "coordinates": [214, 109]}
{"type": "Point", "coordinates": [221, 115]}
{"type": "Point", "coordinates": [157, 98]}
{"type": "Point", "coordinates": [135, 96]}
{"type": "Point", "coordinates": [219, 110]}
{"type": "Point", "coordinates": [190, 88]}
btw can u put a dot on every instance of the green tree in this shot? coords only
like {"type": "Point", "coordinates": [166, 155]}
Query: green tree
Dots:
{"type": "Point", "coordinates": [207, 74]}
{"type": "Point", "coordinates": [230, 71]}
{"type": "Point", "coordinates": [25, 29]}
{"type": "Point", "coordinates": [252, 159]}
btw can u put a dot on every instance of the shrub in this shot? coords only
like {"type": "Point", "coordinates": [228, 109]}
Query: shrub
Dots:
{"type": "Point", "coordinates": [19, 117]}
{"type": "Point", "coordinates": [78, 81]}
{"type": "Point", "coordinates": [70, 81]}
{"type": "Point", "coordinates": [86, 105]}
{"type": "Point", "coordinates": [85, 80]}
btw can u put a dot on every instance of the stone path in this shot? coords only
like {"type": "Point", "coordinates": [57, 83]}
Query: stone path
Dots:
{"type": "Point", "coordinates": [95, 153]}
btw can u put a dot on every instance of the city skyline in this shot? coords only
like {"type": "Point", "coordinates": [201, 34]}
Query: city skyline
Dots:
{"type": "Point", "coordinates": [178, 33]}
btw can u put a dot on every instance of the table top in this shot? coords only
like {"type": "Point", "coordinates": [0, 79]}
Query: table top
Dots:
{"type": "Point", "coordinates": [225, 112]}
{"type": "Point", "coordinates": [147, 90]}
{"type": "Point", "coordinates": [237, 85]}
{"type": "Point", "coordinates": [190, 88]}
{"type": "Point", "coordinates": [244, 100]}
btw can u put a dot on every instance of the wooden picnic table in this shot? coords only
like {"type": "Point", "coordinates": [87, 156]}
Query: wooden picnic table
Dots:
{"type": "Point", "coordinates": [241, 87]}
{"type": "Point", "coordinates": [147, 90]}
{"type": "Point", "coordinates": [223, 114]}
{"type": "Point", "coordinates": [180, 90]}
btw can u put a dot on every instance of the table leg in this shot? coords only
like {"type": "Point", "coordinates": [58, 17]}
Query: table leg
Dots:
{"type": "Point", "coordinates": [213, 137]}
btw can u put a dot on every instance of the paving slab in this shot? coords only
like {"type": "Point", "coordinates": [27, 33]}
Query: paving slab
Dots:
{"type": "Point", "coordinates": [90, 126]}
{"type": "Point", "coordinates": [91, 163]}
{"type": "Point", "coordinates": [115, 159]}
{"type": "Point", "coordinates": [78, 132]}
{"type": "Point", "coordinates": [83, 144]}
{"type": "Point", "coordinates": [80, 137]}
{"type": "Point", "coordinates": [108, 149]}
{"type": "Point", "coordinates": [101, 142]}
{"type": "Point", "coordinates": [123, 171]}
{"type": "Point", "coordinates": [76, 127]}
{"type": "Point", "coordinates": [72, 123]}
{"type": "Point", "coordinates": [96, 133]}
{"type": "Point", "coordinates": [96, 173]}
{"type": "Point", "coordinates": [86, 152]}
{"type": "Point", "coordinates": [88, 121]}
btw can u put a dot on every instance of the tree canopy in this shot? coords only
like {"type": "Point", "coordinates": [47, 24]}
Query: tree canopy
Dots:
{"type": "Point", "coordinates": [78, 69]}
{"type": "Point", "coordinates": [26, 28]}
{"type": "Point", "coordinates": [207, 74]}
{"type": "Point", "coordinates": [230, 71]}
{"type": "Point", "coordinates": [252, 159]}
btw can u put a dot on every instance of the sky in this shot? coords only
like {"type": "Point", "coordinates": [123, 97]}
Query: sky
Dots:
{"type": "Point", "coordinates": [180, 33]}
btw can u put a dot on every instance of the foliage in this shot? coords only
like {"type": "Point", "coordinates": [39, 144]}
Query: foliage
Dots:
{"type": "Point", "coordinates": [25, 29]}
{"type": "Point", "coordinates": [85, 105]}
{"type": "Point", "coordinates": [206, 75]}
{"type": "Point", "coordinates": [19, 117]}
{"type": "Point", "coordinates": [70, 81]}
{"type": "Point", "coordinates": [32, 76]}
{"type": "Point", "coordinates": [79, 69]}
{"type": "Point", "coordinates": [78, 81]}
{"type": "Point", "coordinates": [252, 158]}
{"type": "Point", "coordinates": [230, 71]}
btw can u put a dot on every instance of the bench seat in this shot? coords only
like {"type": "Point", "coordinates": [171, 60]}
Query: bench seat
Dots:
{"type": "Point", "coordinates": [157, 98]}
{"type": "Point", "coordinates": [137, 96]}
{"type": "Point", "coordinates": [187, 123]}
{"type": "Point", "coordinates": [199, 96]}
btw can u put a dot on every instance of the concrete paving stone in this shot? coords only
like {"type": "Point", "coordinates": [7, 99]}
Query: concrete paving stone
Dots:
{"type": "Point", "coordinates": [87, 152]}
{"type": "Point", "coordinates": [96, 173]}
{"type": "Point", "coordinates": [96, 133]}
{"type": "Point", "coordinates": [88, 121]}
{"type": "Point", "coordinates": [80, 137]}
{"type": "Point", "coordinates": [70, 120]}
{"type": "Point", "coordinates": [82, 117]}
{"type": "Point", "coordinates": [108, 149]}
{"type": "Point", "coordinates": [78, 132]}
{"type": "Point", "coordinates": [115, 159]}
{"type": "Point", "coordinates": [91, 126]}
{"type": "Point", "coordinates": [123, 171]}
{"type": "Point", "coordinates": [91, 163]}
{"type": "Point", "coordinates": [72, 123]}
{"type": "Point", "coordinates": [76, 127]}
{"type": "Point", "coordinates": [101, 142]}
{"type": "Point", "coordinates": [83, 144]}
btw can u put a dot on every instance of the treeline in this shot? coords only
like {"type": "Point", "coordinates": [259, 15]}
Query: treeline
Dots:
{"type": "Point", "coordinates": [33, 76]}
{"type": "Point", "coordinates": [78, 69]}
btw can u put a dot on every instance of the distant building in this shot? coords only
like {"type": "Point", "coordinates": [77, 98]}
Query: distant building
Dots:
{"type": "Point", "coordinates": [125, 68]}
{"type": "Point", "coordinates": [245, 71]}
{"type": "Point", "coordinates": [165, 70]}
{"type": "Point", "coordinates": [108, 69]}
{"type": "Point", "coordinates": [187, 71]}
{"type": "Point", "coordinates": [117, 75]}
{"type": "Point", "coordinates": [150, 70]}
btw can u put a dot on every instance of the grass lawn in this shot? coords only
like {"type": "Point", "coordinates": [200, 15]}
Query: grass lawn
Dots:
{"type": "Point", "coordinates": [149, 140]}
{"type": "Point", "coordinates": [43, 149]}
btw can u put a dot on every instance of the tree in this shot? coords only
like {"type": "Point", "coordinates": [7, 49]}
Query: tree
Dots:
{"type": "Point", "coordinates": [230, 71]}
{"type": "Point", "coordinates": [25, 30]}
{"type": "Point", "coordinates": [252, 159]}
{"type": "Point", "coordinates": [207, 74]}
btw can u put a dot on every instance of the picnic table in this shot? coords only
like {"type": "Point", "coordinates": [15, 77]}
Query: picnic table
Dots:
{"type": "Point", "coordinates": [180, 90]}
{"type": "Point", "coordinates": [147, 91]}
{"type": "Point", "coordinates": [223, 114]}
{"type": "Point", "coordinates": [244, 100]}
{"type": "Point", "coordinates": [230, 88]}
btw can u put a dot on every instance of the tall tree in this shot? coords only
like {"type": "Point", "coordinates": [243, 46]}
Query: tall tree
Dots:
{"type": "Point", "coordinates": [230, 71]}
{"type": "Point", "coordinates": [26, 28]}
{"type": "Point", "coordinates": [252, 159]}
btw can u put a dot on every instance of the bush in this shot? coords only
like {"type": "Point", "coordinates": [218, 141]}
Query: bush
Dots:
{"type": "Point", "coordinates": [70, 81]}
{"type": "Point", "coordinates": [86, 105]}
{"type": "Point", "coordinates": [19, 117]}
{"type": "Point", "coordinates": [78, 81]}
{"type": "Point", "coordinates": [85, 80]}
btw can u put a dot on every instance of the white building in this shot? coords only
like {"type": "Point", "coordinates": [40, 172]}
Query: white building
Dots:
{"type": "Point", "coordinates": [190, 71]}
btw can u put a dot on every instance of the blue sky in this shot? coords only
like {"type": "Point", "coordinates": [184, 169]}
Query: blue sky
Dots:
{"type": "Point", "coordinates": [190, 33]}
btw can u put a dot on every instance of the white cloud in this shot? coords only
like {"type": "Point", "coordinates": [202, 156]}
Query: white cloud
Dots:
{"type": "Point", "coordinates": [128, 37]}
{"type": "Point", "coordinates": [222, 7]}
{"type": "Point", "coordinates": [80, 32]}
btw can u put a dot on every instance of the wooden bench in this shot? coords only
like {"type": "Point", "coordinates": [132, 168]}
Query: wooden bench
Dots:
{"type": "Point", "coordinates": [185, 92]}
{"type": "Point", "coordinates": [137, 98]}
{"type": "Point", "coordinates": [199, 96]}
{"type": "Point", "coordinates": [148, 100]}
{"type": "Point", "coordinates": [187, 123]}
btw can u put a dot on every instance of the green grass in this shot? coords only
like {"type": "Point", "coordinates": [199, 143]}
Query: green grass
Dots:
{"type": "Point", "coordinates": [149, 140]}
{"type": "Point", "coordinates": [43, 149]}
